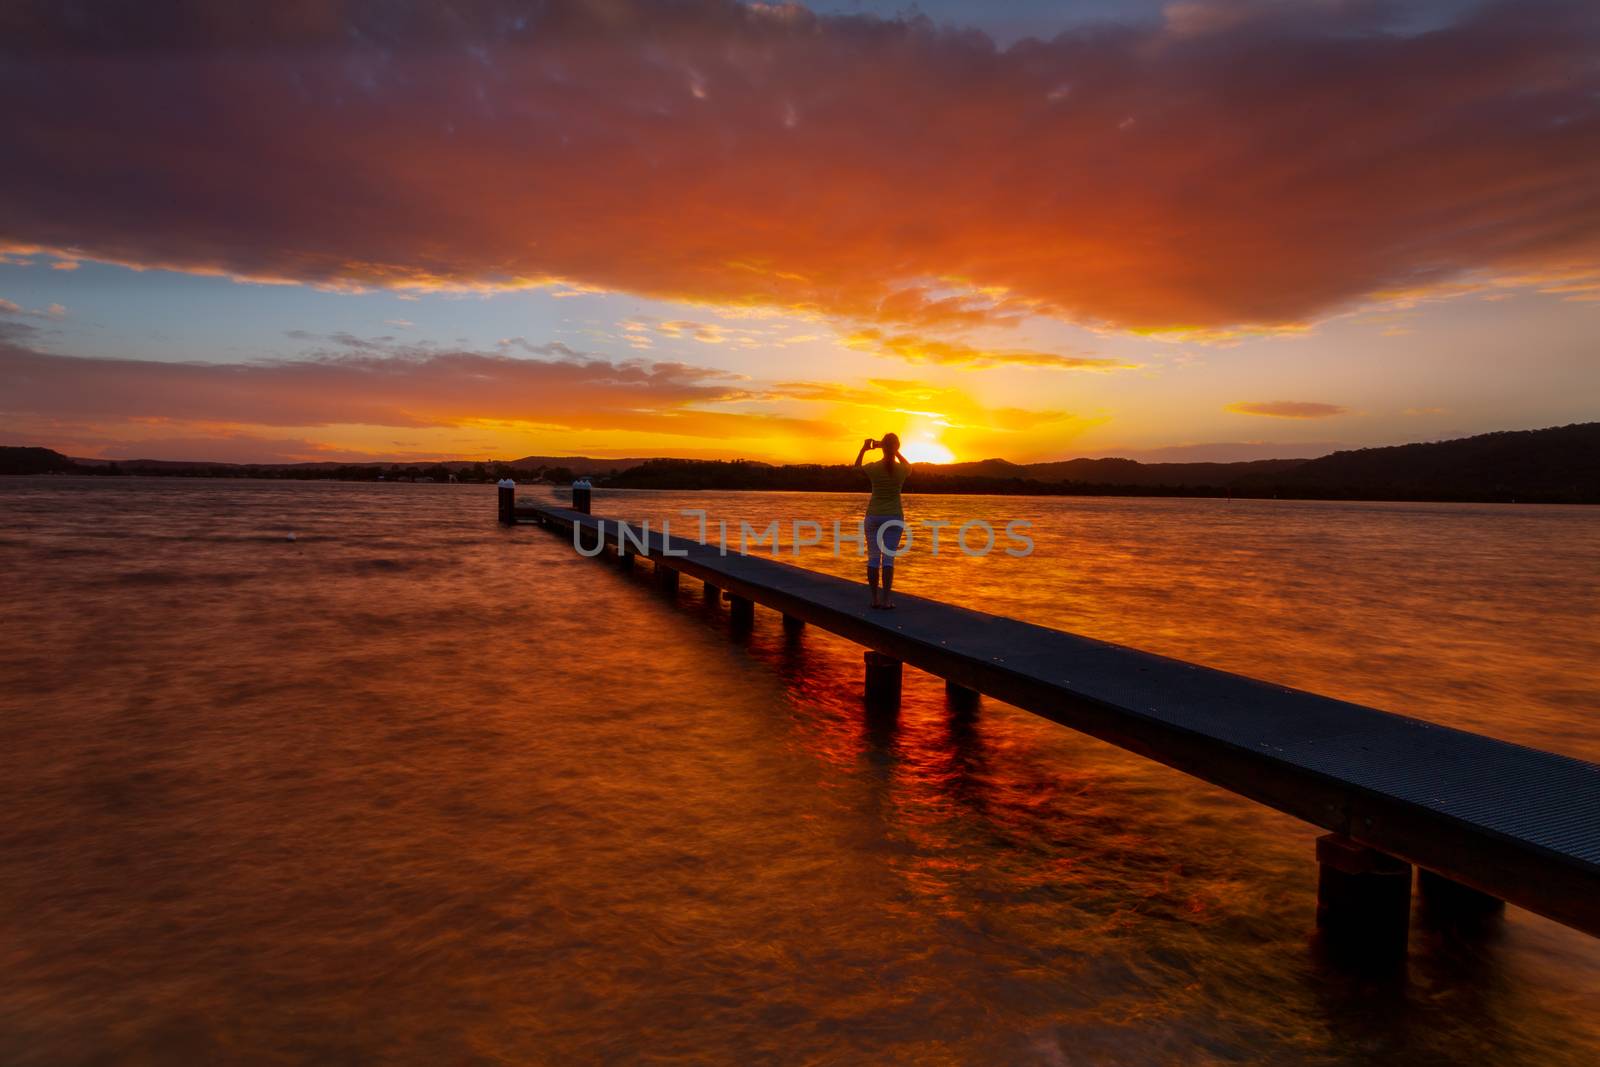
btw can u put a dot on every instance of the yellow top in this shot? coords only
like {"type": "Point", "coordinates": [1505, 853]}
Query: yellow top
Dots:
{"type": "Point", "coordinates": [885, 488]}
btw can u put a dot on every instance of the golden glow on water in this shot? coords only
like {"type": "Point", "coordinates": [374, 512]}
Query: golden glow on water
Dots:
{"type": "Point", "coordinates": [415, 787]}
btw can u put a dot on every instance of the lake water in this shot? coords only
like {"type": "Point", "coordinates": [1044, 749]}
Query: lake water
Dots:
{"type": "Point", "coordinates": [417, 788]}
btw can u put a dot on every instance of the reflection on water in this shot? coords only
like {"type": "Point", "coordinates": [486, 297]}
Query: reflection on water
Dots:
{"type": "Point", "coordinates": [416, 787]}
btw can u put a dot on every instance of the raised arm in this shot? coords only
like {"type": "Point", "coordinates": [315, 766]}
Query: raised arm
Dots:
{"type": "Point", "coordinates": [868, 443]}
{"type": "Point", "coordinates": [900, 458]}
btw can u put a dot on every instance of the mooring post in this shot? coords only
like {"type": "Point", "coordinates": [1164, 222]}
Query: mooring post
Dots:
{"type": "Point", "coordinates": [580, 495]}
{"type": "Point", "coordinates": [793, 625]}
{"type": "Point", "coordinates": [1363, 898]}
{"type": "Point", "coordinates": [883, 678]}
{"type": "Point", "coordinates": [741, 613]}
{"type": "Point", "coordinates": [508, 501]}
{"type": "Point", "coordinates": [1445, 899]}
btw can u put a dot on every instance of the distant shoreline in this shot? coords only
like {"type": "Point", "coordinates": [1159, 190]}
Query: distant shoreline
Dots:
{"type": "Point", "coordinates": [1045, 493]}
{"type": "Point", "coordinates": [1557, 465]}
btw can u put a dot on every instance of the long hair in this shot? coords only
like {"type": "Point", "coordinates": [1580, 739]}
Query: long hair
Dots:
{"type": "Point", "coordinates": [891, 446]}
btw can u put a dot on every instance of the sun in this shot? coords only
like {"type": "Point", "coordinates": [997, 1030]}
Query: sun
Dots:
{"type": "Point", "coordinates": [927, 450]}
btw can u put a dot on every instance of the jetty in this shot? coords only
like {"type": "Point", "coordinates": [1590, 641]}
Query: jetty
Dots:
{"type": "Point", "coordinates": [1481, 821]}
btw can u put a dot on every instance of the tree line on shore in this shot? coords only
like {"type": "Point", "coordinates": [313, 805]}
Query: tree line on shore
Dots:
{"type": "Point", "coordinates": [46, 461]}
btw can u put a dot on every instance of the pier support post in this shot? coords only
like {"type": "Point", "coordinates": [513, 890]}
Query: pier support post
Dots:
{"type": "Point", "coordinates": [508, 502]}
{"type": "Point", "coordinates": [711, 594]}
{"type": "Point", "coordinates": [666, 578]}
{"type": "Point", "coordinates": [959, 696]}
{"type": "Point", "coordinates": [741, 613]}
{"type": "Point", "coordinates": [793, 625]}
{"type": "Point", "coordinates": [883, 678]}
{"type": "Point", "coordinates": [580, 495]}
{"type": "Point", "coordinates": [1363, 899]}
{"type": "Point", "coordinates": [1447, 900]}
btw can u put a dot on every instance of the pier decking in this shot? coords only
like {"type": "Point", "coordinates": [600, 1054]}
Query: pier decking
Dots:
{"type": "Point", "coordinates": [1491, 821]}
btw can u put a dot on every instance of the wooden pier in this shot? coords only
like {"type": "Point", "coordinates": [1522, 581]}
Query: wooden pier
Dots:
{"type": "Point", "coordinates": [1486, 821]}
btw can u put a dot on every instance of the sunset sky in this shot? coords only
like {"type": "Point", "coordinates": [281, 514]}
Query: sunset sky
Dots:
{"type": "Point", "coordinates": [1219, 229]}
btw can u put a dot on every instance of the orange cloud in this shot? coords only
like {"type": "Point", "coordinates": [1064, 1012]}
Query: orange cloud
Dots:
{"type": "Point", "coordinates": [347, 395]}
{"type": "Point", "coordinates": [11, 307]}
{"type": "Point", "coordinates": [1286, 409]}
{"type": "Point", "coordinates": [223, 444]}
{"type": "Point", "coordinates": [705, 332]}
{"type": "Point", "coordinates": [916, 349]}
{"type": "Point", "coordinates": [375, 383]}
{"type": "Point", "coordinates": [1206, 173]}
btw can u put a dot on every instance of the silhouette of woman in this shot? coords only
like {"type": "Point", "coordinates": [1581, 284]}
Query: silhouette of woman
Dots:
{"type": "Point", "coordinates": [885, 518]}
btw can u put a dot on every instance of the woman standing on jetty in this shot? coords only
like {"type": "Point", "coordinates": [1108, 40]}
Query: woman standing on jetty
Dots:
{"type": "Point", "coordinates": [884, 514]}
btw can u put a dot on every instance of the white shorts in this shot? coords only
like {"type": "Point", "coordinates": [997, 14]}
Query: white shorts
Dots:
{"type": "Point", "coordinates": [893, 527]}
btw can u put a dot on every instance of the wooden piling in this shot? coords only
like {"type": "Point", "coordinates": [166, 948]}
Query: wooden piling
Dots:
{"type": "Point", "coordinates": [793, 625]}
{"type": "Point", "coordinates": [883, 678]}
{"type": "Point", "coordinates": [710, 594]}
{"type": "Point", "coordinates": [959, 697]}
{"type": "Point", "coordinates": [741, 613]}
{"type": "Point", "coordinates": [1363, 899]}
{"type": "Point", "coordinates": [666, 578]}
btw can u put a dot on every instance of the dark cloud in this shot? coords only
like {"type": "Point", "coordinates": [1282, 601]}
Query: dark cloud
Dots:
{"type": "Point", "coordinates": [1237, 163]}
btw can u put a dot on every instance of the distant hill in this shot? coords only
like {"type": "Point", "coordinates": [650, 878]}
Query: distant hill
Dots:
{"type": "Point", "coordinates": [1124, 471]}
{"type": "Point", "coordinates": [1561, 464]}
{"type": "Point", "coordinates": [15, 460]}
{"type": "Point", "coordinates": [582, 466]}
{"type": "Point", "coordinates": [736, 474]}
